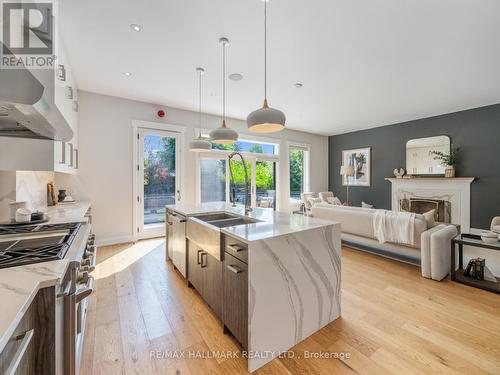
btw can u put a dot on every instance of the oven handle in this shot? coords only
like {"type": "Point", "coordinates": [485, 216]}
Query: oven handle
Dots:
{"type": "Point", "coordinates": [26, 339]}
{"type": "Point", "coordinates": [84, 293]}
{"type": "Point", "coordinates": [66, 291]}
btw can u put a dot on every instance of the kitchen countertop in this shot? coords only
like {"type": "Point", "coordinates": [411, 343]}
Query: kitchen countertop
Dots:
{"type": "Point", "coordinates": [272, 223]}
{"type": "Point", "coordinates": [19, 285]}
{"type": "Point", "coordinates": [67, 212]}
{"type": "Point", "coordinates": [18, 288]}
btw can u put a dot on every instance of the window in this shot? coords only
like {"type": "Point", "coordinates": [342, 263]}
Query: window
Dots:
{"type": "Point", "coordinates": [265, 182]}
{"type": "Point", "coordinates": [213, 180]}
{"type": "Point", "coordinates": [298, 156]}
{"type": "Point", "coordinates": [215, 184]}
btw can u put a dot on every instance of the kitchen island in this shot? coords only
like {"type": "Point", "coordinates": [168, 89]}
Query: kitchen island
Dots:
{"type": "Point", "coordinates": [280, 273]}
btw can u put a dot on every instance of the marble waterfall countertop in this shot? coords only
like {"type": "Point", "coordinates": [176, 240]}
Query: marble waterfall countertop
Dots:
{"type": "Point", "coordinates": [294, 276]}
{"type": "Point", "coordinates": [271, 223]}
{"type": "Point", "coordinates": [19, 285]}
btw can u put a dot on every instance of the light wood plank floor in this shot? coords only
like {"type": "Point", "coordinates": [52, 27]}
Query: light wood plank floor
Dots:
{"type": "Point", "coordinates": [393, 321]}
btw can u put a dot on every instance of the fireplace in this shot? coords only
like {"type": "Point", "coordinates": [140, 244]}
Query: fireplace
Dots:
{"type": "Point", "coordinates": [421, 205]}
{"type": "Point", "coordinates": [454, 192]}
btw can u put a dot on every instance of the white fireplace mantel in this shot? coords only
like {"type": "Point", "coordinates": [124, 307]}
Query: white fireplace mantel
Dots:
{"type": "Point", "coordinates": [455, 190]}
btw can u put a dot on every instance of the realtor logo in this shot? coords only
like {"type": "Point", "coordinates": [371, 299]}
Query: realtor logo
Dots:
{"type": "Point", "coordinates": [27, 34]}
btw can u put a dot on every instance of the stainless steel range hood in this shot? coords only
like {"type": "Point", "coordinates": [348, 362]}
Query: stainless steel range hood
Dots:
{"type": "Point", "coordinates": [27, 106]}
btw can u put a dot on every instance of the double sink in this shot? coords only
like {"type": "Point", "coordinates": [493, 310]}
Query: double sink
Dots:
{"type": "Point", "coordinates": [204, 229]}
{"type": "Point", "coordinates": [224, 220]}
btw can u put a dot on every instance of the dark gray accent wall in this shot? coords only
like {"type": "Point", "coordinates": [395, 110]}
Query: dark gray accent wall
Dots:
{"type": "Point", "coordinates": [475, 131]}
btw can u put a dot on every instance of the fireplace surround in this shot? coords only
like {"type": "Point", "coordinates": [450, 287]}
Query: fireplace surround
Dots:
{"type": "Point", "coordinates": [455, 191]}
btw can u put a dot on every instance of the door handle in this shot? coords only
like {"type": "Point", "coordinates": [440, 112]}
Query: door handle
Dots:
{"type": "Point", "coordinates": [178, 195]}
{"type": "Point", "coordinates": [203, 265]}
{"type": "Point", "coordinates": [234, 269]}
{"type": "Point", "coordinates": [198, 256]}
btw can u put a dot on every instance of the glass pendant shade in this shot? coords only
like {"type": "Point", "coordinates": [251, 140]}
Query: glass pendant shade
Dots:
{"type": "Point", "coordinates": [266, 120]}
{"type": "Point", "coordinates": [223, 135]}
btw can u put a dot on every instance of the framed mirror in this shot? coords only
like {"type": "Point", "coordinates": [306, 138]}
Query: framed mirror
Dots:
{"type": "Point", "coordinates": [419, 158]}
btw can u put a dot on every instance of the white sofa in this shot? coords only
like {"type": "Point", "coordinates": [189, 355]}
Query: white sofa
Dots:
{"type": "Point", "coordinates": [431, 248]}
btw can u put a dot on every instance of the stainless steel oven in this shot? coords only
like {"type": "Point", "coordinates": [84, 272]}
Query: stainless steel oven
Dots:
{"type": "Point", "coordinates": [71, 310]}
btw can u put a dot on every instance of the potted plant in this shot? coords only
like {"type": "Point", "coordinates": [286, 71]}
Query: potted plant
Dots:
{"type": "Point", "coordinates": [448, 159]}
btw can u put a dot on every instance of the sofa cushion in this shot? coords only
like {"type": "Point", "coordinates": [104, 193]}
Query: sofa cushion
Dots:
{"type": "Point", "coordinates": [334, 200]}
{"type": "Point", "coordinates": [496, 228]}
{"type": "Point", "coordinates": [313, 201]}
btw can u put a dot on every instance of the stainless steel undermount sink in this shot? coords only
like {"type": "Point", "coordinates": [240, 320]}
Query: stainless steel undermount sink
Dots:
{"type": "Point", "coordinates": [223, 220]}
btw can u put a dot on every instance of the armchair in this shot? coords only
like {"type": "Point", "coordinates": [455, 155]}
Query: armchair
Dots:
{"type": "Point", "coordinates": [495, 224]}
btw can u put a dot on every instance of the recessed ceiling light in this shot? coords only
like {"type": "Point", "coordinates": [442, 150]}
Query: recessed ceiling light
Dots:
{"type": "Point", "coordinates": [136, 27]}
{"type": "Point", "coordinates": [127, 74]}
{"type": "Point", "coordinates": [298, 85]}
{"type": "Point", "coordinates": [236, 77]}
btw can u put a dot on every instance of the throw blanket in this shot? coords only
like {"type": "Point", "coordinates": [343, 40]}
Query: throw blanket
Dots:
{"type": "Point", "coordinates": [392, 226]}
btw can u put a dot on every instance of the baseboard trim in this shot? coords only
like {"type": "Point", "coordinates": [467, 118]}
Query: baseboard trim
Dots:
{"type": "Point", "coordinates": [381, 252]}
{"type": "Point", "coordinates": [114, 240]}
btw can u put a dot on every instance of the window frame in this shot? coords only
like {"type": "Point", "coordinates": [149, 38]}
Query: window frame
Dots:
{"type": "Point", "coordinates": [306, 147]}
{"type": "Point", "coordinates": [251, 157]}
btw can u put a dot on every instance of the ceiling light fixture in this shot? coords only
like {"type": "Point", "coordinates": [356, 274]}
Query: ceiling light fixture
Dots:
{"type": "Point", "coordinates": [236, 77]}
{"type": "Point", "coordinates": [136, 27]}
{"type": "Point", "coordinates": [199, 144]}
{"type": "Point", "coordinates": [127, 74]}
{"type": "Point", "coordinates": [223, 134]}
{"type": "Point", "coordinates": [266, 119]}
{"type": "Point", "coordinates": [298, 85]}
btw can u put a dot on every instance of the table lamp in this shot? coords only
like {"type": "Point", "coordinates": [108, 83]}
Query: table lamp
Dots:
{"type": "Point", "coordinates": [345, 171]}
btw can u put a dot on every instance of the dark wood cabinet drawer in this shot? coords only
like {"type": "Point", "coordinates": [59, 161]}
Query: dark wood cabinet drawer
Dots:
{"type": "Point", "coordinates": [31, 348]}
{"type": "Point", "coordinates": [236, 248]}
{"type": "Point", "coordinates": [235, 298]}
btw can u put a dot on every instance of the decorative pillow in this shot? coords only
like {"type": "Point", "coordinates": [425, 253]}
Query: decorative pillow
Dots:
{"type": "Point", "coordinates": [366, 205]}
{"type": "Point", "coordinates": [429, 218]}
{"type": "Point", "coordinates": [313, 201]}
{"type": "Point", "coordinates": [335, 201]}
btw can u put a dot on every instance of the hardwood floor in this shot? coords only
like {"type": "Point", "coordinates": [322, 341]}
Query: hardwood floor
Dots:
{"type": "Point", "coordinates": [393, 321]}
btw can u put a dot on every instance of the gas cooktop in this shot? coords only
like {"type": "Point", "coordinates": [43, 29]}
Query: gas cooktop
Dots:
{"type": "Point", "coordinates": [35, 243]}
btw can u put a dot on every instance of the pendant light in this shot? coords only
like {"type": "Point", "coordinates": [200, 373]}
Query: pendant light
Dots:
{"type": "Point", "coordinates": [223, 134]}
{"type": "Point", "coordinates": [266, 119]}
{"type": "Point", "coordinates": [199, 144]}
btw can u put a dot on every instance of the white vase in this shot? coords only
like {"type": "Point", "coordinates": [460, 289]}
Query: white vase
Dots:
{"type": "Point", "coordinates": [449, 171]}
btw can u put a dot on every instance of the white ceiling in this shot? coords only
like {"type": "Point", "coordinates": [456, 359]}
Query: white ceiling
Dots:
{"type": "Point", "coordinates": [363, 63]}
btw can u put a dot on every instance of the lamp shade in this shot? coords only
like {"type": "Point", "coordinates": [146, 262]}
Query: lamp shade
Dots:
{"type": "Point", "coordinates": [199, 145]}
{"type": "Point", "coordinates": [223, 135]}
{"type": "Point", "coordinates": [347, 170]}
{"type": "Point", "coordinates": [266, 120]}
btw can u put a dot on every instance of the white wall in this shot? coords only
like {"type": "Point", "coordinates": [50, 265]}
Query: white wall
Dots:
{"type": "Point", "coordinates": [106, 158]}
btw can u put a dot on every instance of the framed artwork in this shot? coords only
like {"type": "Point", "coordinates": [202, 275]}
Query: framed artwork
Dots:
{"type": "Point", "coordinates": [360, 159]}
